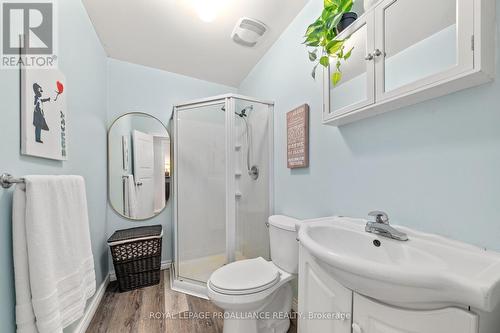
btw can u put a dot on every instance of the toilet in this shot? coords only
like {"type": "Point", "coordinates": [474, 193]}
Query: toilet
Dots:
{"type": "Point", "coordinates": [256, 294]}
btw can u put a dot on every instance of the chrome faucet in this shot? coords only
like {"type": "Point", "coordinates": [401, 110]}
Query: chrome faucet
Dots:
{"type": "Point", "coordinates": [381, 227]}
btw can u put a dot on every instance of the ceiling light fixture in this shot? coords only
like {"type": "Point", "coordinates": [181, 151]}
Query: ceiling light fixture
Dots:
{"type": "Point", "coordinates": [206, 12]}
{"type": "Point", "coordinates": [208, 9]}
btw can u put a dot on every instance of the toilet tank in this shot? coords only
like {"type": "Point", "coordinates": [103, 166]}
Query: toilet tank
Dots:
{"type": "Point", "coordinates": [283, 242]}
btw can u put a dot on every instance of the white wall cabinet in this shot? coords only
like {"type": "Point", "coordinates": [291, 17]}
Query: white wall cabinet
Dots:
{"type": "Point", "coordinates": [320, 295]}
{"type": "Point", "coordinates": [407, 51]}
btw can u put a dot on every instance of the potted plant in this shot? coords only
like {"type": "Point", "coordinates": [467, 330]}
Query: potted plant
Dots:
{"type": "Point", "coordinates": [321, 35]}
{"type": "Point", "coordinates": [346, 20]}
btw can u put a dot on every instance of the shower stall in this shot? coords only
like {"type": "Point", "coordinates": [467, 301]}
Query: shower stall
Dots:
{"type": "Point", "coordinates": [223, 195]}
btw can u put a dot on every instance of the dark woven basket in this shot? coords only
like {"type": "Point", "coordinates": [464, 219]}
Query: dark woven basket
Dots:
{"type": "Point", "coordinates": [137, 261]}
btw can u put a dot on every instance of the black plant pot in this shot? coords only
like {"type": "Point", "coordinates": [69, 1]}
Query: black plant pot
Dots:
{"type": "Point", "coordinates": [346, 20]}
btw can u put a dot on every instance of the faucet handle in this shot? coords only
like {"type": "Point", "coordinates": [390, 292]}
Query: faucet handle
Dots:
{"type": "Point", "coordinates": [380, 216]}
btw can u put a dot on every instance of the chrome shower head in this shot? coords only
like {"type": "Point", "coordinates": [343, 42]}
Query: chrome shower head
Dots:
{"type": "Point", "coordinates": [243, 113]}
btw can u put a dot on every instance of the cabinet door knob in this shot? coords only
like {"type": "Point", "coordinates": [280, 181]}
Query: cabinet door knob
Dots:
{"type": "Point", "coordinates": [377, 53]}
{"type": "Point", "coordinates": [369, 57]}
{"type": "Point", "coordinates": [356, 328]}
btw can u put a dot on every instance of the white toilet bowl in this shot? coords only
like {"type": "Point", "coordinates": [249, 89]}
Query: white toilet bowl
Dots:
{"type": "Point", "coordinates": [256, 298]}
{"type": "Point", "coordinates": [255, 294]}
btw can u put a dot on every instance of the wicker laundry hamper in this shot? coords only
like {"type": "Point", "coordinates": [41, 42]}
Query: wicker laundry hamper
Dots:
{"type": "Point", "coordinates": [137, 256]}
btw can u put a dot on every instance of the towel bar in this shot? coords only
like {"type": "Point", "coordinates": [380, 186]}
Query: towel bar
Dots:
{"type": "Point", "coordinates": [7, 180]}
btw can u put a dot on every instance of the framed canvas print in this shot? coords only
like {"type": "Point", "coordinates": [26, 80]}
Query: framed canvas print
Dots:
{"type": "Point", "coordinates": [43, 114]}
{"type": "Point", "coordinates": [297, 125]}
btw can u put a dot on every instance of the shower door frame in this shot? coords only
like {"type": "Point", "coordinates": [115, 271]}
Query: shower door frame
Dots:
{"type": "Point", "coordinates": [183, 284]}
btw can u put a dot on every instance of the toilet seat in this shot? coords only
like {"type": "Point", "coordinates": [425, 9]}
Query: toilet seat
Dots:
{"type": "Point", "coordinates": [245, 277]}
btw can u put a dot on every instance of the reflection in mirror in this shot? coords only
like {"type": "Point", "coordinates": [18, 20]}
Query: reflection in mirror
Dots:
{"type": "Point", "coordinates": [138, 166]}
{"type": "Point", "coordinates": [429, 43]}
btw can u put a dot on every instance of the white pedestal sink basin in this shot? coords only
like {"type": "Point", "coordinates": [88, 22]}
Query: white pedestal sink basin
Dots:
{"type": "Point", "coordinates": [425, 272]}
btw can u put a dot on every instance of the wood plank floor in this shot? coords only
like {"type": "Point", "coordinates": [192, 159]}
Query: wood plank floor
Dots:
{"type": "Point", "coordinates": [154, 309]}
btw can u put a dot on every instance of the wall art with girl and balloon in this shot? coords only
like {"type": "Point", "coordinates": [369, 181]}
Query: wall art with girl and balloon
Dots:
{"type": "Point", "coordinates": [43, 114]}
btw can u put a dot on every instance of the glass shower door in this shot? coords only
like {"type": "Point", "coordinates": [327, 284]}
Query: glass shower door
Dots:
{"type": "Point", "coordinates": [223, 157]}
{"type": "Point", "coordinates": [201, 190]}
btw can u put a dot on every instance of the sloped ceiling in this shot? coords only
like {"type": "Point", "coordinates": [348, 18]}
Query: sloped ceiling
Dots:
{"type": "Point", "coordinates": [169, 34]}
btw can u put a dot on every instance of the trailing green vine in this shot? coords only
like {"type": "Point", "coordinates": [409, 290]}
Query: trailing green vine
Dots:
{"type": "Point", "coordinates": [321, 36]}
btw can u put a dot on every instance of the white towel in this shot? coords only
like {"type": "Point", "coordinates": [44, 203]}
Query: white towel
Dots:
{"type": "Point", "coordinates": [129, 196]}
{"type": "Point", "coordinates": [53, 262]}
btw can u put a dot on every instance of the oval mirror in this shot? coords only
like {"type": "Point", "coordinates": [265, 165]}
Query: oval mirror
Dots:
{"type": "Point", "coordinates": [138, 166]}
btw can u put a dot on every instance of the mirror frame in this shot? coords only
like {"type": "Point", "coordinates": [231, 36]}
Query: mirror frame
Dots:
{"type": "Point", "coordinates": [107, 166]}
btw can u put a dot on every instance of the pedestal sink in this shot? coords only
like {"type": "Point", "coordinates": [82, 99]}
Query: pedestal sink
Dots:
{"type": "Point", "coordinates": [425, 272]}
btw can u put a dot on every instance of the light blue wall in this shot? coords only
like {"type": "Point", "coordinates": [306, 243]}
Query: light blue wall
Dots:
{"type": "Point", "coordinates": [137, 88]}
{"type": "Point", "coordinates": [83, 61]}
{"type": "Point", "coordinates": [433, 166]}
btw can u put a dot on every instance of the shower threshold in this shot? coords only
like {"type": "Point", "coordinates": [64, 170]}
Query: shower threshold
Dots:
{"type": "Point", "coordinates": [194, 273]}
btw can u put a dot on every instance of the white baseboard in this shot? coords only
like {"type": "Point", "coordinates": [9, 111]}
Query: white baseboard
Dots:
{"type": "Point", "coordinates": [92, 307]}
{"type": "Point", "coordinates": [164, 265]}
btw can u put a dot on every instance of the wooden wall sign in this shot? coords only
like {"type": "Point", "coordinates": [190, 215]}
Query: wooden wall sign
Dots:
{"type": "Point", "coordinates": [297, 124]}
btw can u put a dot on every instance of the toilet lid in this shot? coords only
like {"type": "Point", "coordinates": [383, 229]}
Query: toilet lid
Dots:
{"type": "Point", "coordinates": [245, 277]}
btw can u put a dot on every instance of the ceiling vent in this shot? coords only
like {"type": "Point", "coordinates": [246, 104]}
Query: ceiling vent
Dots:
{"type": "Point", "coordinates": [247, 32]}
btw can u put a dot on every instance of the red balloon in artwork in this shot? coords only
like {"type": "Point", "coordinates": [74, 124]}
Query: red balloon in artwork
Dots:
{"type": "Point", "coordinates": [60, 87]}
